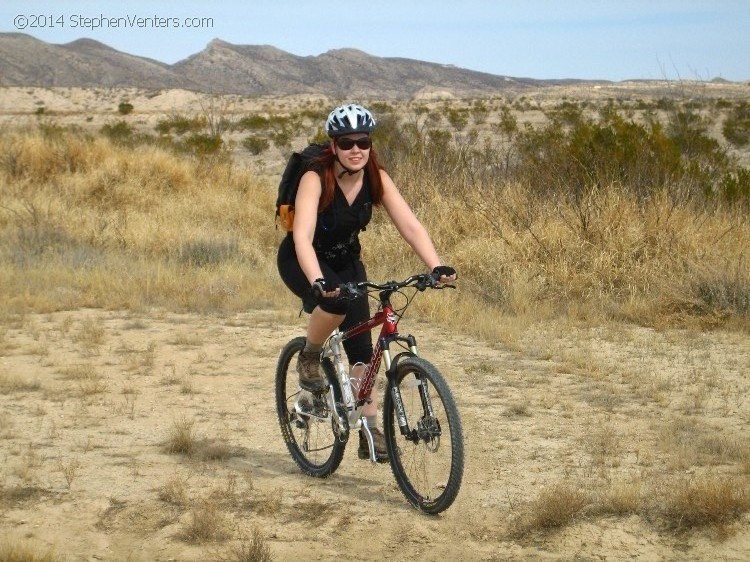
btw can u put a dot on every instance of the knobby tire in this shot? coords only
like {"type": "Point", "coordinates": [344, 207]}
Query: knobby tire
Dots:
{"type": "Point", "coordinates": [428, 472]}
{"type": "Point", "coordinates": [324, 450]}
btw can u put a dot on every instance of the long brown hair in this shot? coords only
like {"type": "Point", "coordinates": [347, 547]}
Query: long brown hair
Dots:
{"type": "Point", "coordinates": [328, 174]}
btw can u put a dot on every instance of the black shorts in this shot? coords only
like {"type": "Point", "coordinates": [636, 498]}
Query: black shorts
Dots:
{"type": "Point", "coordinates": [359, 348]}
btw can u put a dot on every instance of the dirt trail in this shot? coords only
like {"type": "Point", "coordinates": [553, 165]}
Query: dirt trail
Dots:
{"type": "Point", "coordinates": [90, 398]}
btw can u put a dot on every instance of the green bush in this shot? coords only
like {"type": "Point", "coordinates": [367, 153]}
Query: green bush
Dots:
{"type": "Point", "coordinates": [736, 126]}
{"type": "Point", "coordinates": [457, 118]}
{"type": "Point", "coordinates": [574, 154]}
{"type": "Point", "coordinates": [734, 186]}
{"type": "Point", "coordinates": [570, 155]}
{"type": "Point", "coordinates": [255, 145]}
{"type": "Point", "coordinates": [125, 108]}
{"type": "Point", "coordinates": [180, 124]}
{"type": "Point", "coordinates": [119, 132]}
{"type": "Point", "coordinates": [252, 122]}
{"type": "Point", "coordinates": [202, 144]}
{"type": "Point", "coordinates": [282, 139]}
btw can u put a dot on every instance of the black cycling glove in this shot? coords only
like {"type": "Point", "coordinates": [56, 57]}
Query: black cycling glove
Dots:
{"type": "Point", "coordinates": [443, 271]}
{"type": "Point", "coordinates": [320, 286]}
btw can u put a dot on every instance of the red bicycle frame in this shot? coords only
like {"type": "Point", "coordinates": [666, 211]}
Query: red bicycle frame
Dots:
{"type": "Point", "coordinates": [389, 319]}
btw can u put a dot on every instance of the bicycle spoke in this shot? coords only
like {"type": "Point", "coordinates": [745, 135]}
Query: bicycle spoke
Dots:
{"type": "Point", "coordinates": [428, 469]}
{"type": "Point", "coordinates": [310, 438]}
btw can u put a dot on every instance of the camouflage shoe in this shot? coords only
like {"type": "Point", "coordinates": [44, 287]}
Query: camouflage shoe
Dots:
{"type": "Point", "coordinates": [308, 369]}
{"type": "Point", "coordinates": [381, 453]}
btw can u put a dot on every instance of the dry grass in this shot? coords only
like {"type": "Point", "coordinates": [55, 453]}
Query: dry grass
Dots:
{"type": "Point", "coordinates": [175, 491]}
{"type": "Point", "coordinates": [14, 383]}
{"type": "Point", "coordinates": [181, 439]}
{"type": "Point", "coordinates": [710, 499]}
{"type": "Point", "coordinates": [556, 506]}
{"type": "Point", "coordinates": [677, 503]}
{"type": "Point", "coordinates": [621, 498]}
{"type": "Point", "coordinates": [69, 470]}
{"type": "Point", "coordinates": [18, 551]}
{"type": "Point", "coordinates": [84, 224]}
{"type": "Point", "coordinates": [207, 523]}
{"type": "Point", "coordinates": [252, 548]}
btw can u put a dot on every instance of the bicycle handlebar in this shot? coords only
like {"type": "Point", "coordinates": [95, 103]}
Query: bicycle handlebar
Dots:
{"type": "Point", "coordinates": [420, 282]}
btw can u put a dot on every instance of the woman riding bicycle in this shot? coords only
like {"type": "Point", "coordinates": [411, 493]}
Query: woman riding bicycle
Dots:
{"type": "Point", "coordinates": [334, 202]}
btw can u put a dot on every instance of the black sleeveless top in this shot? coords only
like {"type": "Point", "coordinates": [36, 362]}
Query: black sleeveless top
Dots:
{"type": "Point", "coordinates": [336, 238]}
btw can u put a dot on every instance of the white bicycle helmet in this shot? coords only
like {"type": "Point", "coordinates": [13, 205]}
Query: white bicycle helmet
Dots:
{"type": "Point", "coordinates": [350, 118]}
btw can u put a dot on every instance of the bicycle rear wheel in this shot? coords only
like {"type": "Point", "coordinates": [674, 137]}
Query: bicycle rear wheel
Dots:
{"type": "Point", "coordinates": [428, 462]}
{"type": "Point", "coordinates": [311, 439]}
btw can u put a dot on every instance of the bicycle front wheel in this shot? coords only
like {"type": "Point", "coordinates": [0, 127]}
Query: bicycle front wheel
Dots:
{"type": "Point", "coordinates": [310, 437]}
{"type": "Point", "coordinates": [428, 458]}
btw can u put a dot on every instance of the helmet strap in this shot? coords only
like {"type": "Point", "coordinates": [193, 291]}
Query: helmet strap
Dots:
{"type": "Point", "coordinates": [345, 171]}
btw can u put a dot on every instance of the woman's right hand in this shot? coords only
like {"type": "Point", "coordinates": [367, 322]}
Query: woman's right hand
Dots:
{"type": "Point", "coordinates": [323, 289]}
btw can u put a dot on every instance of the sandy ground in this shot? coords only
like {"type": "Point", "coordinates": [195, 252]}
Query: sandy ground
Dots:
{"type": "Point", "coordinates": [90, 399]}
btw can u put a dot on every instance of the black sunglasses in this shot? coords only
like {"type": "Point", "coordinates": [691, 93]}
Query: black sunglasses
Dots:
{"type": "Point", "coordinates": [347, 144]}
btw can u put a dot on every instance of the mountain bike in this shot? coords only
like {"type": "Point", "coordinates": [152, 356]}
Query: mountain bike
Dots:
{"type": "Point", "coordinates": [421, 423]}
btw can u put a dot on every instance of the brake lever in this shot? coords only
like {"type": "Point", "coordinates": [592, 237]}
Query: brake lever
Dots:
{"type": "Point", "coordinates": [349, 291]}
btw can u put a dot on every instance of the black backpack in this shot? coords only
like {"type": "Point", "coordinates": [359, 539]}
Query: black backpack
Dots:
{"type": "Point", "coordinates": [296, 166]}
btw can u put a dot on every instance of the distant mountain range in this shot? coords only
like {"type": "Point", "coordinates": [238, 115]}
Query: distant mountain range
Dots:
{"type": "Point", "coordinates": [225, 68]}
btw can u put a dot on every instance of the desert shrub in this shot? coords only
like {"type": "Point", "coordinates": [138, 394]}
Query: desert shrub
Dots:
{"type": "Point", "coordinates": [318, 116]}
{"type": "Point", "coordinates": [736, 127]}
{"type": "Point", "coordinates": [282, 138]}
{"type": "Point", "coordinates": [666, 104]}
{"type": "Point", "coordinates": [181, 438]}
{"type": "Point", "coordinates": [251, 122]}
{"type": "Point", "coordinates": [200, 144]}
{"type": "Point", "coordinates": [207, 523]}
{"type": "Point", "coordinates": [479, 112]}
{"type": "Point", "coordinates": [320, 137]}
{"type": "Point", "coordinates": [393, 138]}
{"type": "Point", "coordinates": [734, 186]}
{"type": "Point", "coordinates": [125, 108]}
{"type": "Point", "coordinates": [572, 153]}
{"type": "Point", "coordinates": [458, 118]}
{"type": "Point", "coordinates": [119, 132]}
{"type": "Point", "coordinates": [568, 113]}
{"type": "Point", "coordinates": [507, 123]}
{"type": "Point", "coordinates": [689, 132]}
{"type": "Point", "coordinates": [180, 124]}
{"type": "Point", "coordinates": [594, 211]}
{"type": "Point", "coordinates": [255, 145]}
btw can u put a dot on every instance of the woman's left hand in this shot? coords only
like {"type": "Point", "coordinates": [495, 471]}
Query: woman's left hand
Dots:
{"type": "Point", "coordinates": [445, 274]}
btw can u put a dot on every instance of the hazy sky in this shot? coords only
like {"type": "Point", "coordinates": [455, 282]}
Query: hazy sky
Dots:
{"type": "Point", "coordinates": [615, 40]}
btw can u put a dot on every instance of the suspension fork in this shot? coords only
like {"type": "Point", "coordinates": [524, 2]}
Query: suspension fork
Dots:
{"type": "Point", "coordinates": [391, 365]}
